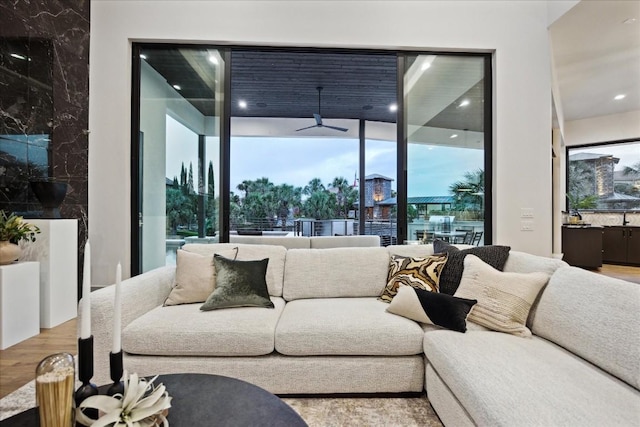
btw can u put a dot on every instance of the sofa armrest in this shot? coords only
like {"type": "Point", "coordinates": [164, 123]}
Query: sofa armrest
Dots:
{"type": "Point", "coordinates": [139, 295]}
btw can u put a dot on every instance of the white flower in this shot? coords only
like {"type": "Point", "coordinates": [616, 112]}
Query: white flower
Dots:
{"type": "Point", "coordinates": [143, 405]}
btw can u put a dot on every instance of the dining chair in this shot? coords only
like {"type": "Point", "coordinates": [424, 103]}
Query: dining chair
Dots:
{"type": "Point", "coordinates": [467, 239]}
{"type": "Point", "coordinates": [428, 237]}
{"type": "Point", "coordinates": [477, 236]}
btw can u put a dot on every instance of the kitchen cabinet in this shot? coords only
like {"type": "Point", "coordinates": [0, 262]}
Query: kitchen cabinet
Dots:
{"type": "Point", "coordinates": [582, 246]}
{"type": "Point", "coordinates": [621, 245]}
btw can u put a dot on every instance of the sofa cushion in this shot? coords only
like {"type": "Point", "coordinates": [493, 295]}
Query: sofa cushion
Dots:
{"type": "Point", "coordinates": [503, 380]}
{"type": "Point", "coordinates": [495, 256]}
{"type": "Point", "coordinates": [411, 250]}
{"type": "Point", "coordinates": [195, 277]}
{"type": "Point", "coordinates": [432, 307]}
{"type": "Point", "coordinates": [335, 273]}
{"type": "Point", "coordinates": [276, 255]}
{"type": "Point", "coordinates": [420, 273]}
{"type": "Point", "coordinates": [345, 326]}
{"type": "Point", "coordinates": [504, 299]}
{"type": "Point", "coordinates": [595, 317]}
{"type": "Point", "coordinates": [522, 262]}
{"type": "Point", "coordinates": [239, 284]}
{"type": "Point", "coordinates": [286, 241]}
{"type": "Point", "coordinates": [326, 242]}
{"type": "Point", "coordinates": [184, 330]}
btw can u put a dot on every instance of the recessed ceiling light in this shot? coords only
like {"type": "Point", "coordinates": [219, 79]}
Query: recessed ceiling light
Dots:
{"type": "Point", "coordinates": [242, 104]}
{"type": "Point", "coordinates": [18, 56]}
{"type": "Point", "coordinates": [455, 135]}
{"type": "Point", "coordinates": [367, 107]}
{"type": "Point", "coordinates": [213, 59]}
{"type": "Point", "coordinates": [393, 107]}
{"type": "Point", "coordinates": [177, 87]}
{"type": "Point", "coordinates": [464, 103]}
{"type": "Point", "coordinates": [143, 56]}
{"type": "Point", "coordinates": [630, 21]}
{"type": "Point", "coordinates": [619, 97]}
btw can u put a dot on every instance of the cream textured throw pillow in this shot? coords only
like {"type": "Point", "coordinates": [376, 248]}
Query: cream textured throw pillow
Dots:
{"type": "Point", "coordinates": [195, 277]}
{"type": "Point", "coordinates": [504, 299]}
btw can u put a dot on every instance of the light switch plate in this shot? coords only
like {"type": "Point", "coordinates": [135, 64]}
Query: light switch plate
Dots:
{"type": "Point", "coordinates": [526, 225]}
{"type": "Point", "coordinates": [526, 212]}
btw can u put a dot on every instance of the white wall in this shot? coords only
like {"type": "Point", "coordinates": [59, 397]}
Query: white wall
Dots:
{"type": "Point", "coordinates": [613, 127]}
{"type": "Point", "coordinates": [516, 31]}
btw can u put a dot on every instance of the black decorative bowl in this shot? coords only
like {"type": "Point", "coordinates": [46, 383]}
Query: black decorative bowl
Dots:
{"type": "Point", "coordinates": [50, 194]}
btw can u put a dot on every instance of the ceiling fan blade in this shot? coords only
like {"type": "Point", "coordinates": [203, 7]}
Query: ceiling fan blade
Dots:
{"type": "Point", "coordinates": [318, 118]}
{"type": "Point", "coordinates": [308, 127]}
{"type": "Point", "coordinates": [335, 128]}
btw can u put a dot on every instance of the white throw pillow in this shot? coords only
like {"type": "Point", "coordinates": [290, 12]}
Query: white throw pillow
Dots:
{"type": "Point", "coordinates": [504, 299]}
{"type": "Point", "coordinates": [195, 277]}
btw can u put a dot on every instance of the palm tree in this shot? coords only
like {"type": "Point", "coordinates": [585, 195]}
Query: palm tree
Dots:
{"type": "Point", "coordinates": [320, 205]}
{"type": "Point", "coordinates": [346, 195]}
{"type": "Point", "coordinates": [469, 193]}
{"type": "Point", "coordinates": [212, 211]}
{"type": "Point", "coordinates": [244, 186]}
{"type": "Point", "coordinates": [314, 186]}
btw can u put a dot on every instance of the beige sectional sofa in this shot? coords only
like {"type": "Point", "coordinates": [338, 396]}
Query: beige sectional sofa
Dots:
{"type": "Point", "coordinates": [328, 333]}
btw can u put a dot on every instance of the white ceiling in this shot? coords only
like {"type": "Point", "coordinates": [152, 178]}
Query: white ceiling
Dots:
{"type": "Point", "coordinates": [597, 56]}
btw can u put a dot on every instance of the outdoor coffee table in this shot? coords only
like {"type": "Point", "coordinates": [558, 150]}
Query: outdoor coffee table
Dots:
{"type": "Point", "coordinates": [207, 400]}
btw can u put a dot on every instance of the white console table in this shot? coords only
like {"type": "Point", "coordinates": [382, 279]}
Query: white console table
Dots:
{"type": "Point", "coordinates": [19, 302]}
{"type": "Point", "coordinates": [56, 248]}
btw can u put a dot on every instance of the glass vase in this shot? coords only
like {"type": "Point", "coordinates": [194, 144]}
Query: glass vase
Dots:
{"type": "Point", "coordinates": [55, 381]}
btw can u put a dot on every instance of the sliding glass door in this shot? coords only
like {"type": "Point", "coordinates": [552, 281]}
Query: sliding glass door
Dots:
{"type": "Point", "coordinates": [307, 143]}
{"type": "Point", "coordinates": [446, 115]}
{"type": "Point", "coordinates": [180, 115]}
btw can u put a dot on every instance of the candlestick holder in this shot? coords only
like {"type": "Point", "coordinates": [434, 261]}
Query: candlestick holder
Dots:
{"type": "Point", "coordinates": [115, 366]}
{"type": "Point", "coordinates": [85, 372]}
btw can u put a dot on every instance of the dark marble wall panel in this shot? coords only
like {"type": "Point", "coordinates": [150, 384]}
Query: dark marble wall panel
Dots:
{"type": "Point", "coordinates": [45, 143]}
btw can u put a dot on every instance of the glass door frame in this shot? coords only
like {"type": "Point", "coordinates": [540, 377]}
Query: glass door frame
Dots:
{"type": "Point", "coordinates": [136, 163]}
{"type": "Point", "coordinates": [225, 141]}
{"type": "Point", "coordinates": [403, 141]}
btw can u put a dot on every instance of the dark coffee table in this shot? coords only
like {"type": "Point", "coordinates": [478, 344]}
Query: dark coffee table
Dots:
{"type": "Point", "coordinates": [207, 400]}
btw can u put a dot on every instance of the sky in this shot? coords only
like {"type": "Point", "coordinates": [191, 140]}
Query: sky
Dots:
{"type": "Point", "coordinates": [295, 161]}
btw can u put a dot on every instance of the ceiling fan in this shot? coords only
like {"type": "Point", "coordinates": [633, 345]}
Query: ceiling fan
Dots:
{"type": "Point", "coordinates": [318, 118]}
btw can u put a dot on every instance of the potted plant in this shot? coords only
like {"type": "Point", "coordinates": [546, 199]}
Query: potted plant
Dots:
{"type": "Point", "coordinates": [13, 229]}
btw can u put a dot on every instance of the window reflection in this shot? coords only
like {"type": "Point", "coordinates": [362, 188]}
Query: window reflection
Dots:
{"type": "Point", "coordinates": [604, 176]}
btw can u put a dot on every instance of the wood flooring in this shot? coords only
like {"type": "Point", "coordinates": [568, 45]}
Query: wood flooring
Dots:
{"type": "Point", "coordinates": [631, 274]}
{"type": "Point", "coordinates": [18, 362]}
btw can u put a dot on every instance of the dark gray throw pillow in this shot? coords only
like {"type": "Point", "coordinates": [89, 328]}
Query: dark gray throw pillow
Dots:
{"type": "Point", "coordinates": [496, 256]}
{"type": "Point", "coordinates": [239, 284]}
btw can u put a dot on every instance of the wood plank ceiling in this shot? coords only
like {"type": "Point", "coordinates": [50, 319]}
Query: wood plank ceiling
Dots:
{"type": "Point", "coordinates": [283, 83]}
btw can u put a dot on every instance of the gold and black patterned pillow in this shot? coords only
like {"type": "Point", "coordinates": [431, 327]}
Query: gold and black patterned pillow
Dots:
{"type": "Point", "coordinates": [419, 273]}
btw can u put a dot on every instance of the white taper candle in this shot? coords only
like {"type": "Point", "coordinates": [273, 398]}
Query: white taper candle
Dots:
{"type": "Point", "coordinates": [85, 325]}
{"type": "Point", "coordinates": [117, 312]}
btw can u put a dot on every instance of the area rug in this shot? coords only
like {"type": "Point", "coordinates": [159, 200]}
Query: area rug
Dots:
{"type": "Point", "coordinates": [316, 411]}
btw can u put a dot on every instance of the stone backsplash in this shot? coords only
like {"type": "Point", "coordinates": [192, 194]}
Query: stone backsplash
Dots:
{"type": "Point", "coordinates": [610, 218]}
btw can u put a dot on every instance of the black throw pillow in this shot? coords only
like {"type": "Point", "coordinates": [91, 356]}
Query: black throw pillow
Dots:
{"type": "Point", "coordinates": [432, 307]}
{"type": "Point", "coordinates": [496, 256]}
